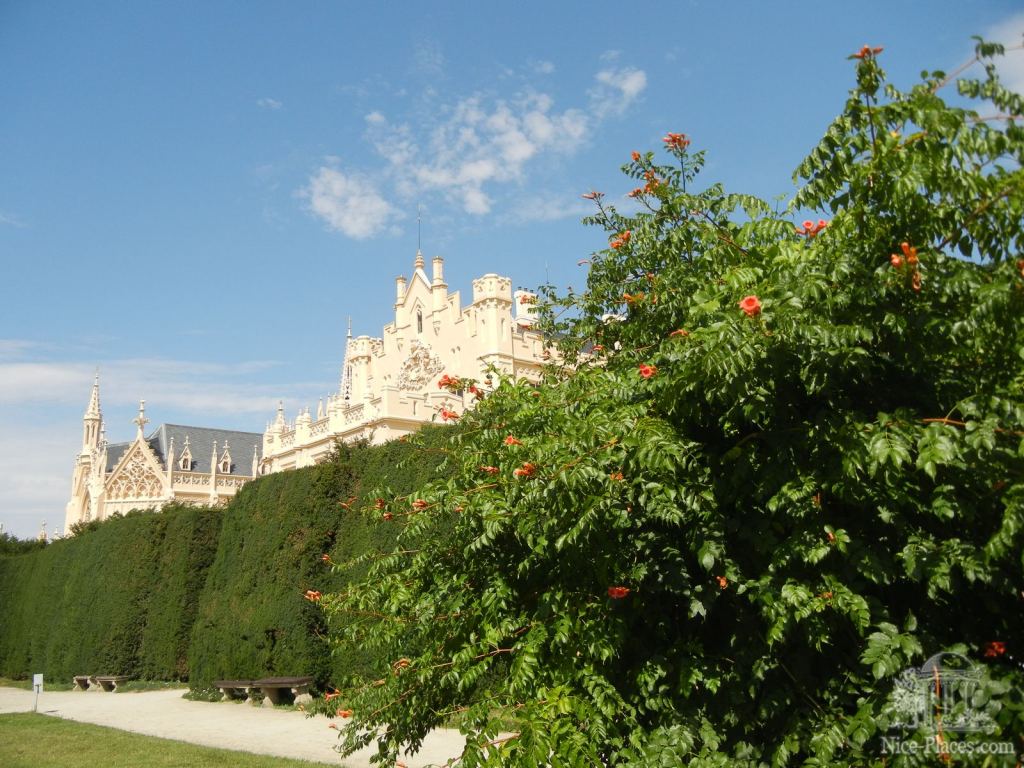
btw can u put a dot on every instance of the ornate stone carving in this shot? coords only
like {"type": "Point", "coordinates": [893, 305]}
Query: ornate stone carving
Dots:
{"type": "Point", "coordinates": [135, 479]}
{"type": "Point", "coordinates": [420, 366]}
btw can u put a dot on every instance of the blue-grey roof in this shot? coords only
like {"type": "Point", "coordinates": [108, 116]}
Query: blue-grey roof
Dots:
{"type": "Point", "coordinates": [200, 443]}
{"type": "Point", "coordinates": [114, 453]}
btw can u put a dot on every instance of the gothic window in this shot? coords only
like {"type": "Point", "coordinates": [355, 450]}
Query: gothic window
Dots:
{"type": "Point", "coordinates": [225, 466]}
{"type": "Point", "coordinates": [419, 321]}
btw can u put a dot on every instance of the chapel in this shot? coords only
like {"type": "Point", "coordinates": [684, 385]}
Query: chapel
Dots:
{"type": "Point", "coordinates": [173, 463]}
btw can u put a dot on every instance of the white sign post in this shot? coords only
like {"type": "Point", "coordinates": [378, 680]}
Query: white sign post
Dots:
{"type": "Point", "coordinates": [37, 685]}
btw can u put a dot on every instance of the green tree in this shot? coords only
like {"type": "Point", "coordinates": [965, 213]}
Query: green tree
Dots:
{"type": "Point", "coordinates": [779, 464]}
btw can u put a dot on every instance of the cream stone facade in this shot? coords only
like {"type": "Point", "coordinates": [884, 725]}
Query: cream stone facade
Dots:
{"type": "Point", "coordinates": [389, 384]}
{"type": "Point", "coordinates": [190, 465]}
{"type": "Point", "coordinates": [389, 388]}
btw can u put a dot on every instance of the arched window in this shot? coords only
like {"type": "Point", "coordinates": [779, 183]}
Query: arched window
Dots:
{"type": "Point", "coordinates": [419, 321]}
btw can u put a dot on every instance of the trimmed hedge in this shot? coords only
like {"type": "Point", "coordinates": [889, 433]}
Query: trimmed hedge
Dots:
{"type": "Point", "coordinates": [198, 594]}
{"type": "Point", "coordinates": [253, 617]}
{"type": "Point", "coordinates": [119, 598]}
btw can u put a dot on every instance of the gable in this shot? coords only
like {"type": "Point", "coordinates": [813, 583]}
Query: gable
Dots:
{"type": "Point", "coordinates": [136, 476]}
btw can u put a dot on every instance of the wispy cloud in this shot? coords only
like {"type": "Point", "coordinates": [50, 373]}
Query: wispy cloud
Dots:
{"type": "Point", "coordinates": [35, 480]}
{"type": "Point", "coordinates": [428, 58]}
{"type": "Point", "coordinates": [478, 144]}
{"type": "Point", "coordinates": [201, 388]}
{"type": "Point", "coordinates": [616, 90]}
{"type": "Point", "coordinates": [542, 67]}
{"type": "Point", "coordinates": [15, 348]}
{"type": "Point", "coordinates": [468, 152]}
{"type": "Point", "coordinates": [268, 103]}
{"type": "Point", "coordinates": [547, 207]}
{"type": "Point", "coordinates": [1010, 32]}
{"type": "Point", "coordinates": [37, 453]}
{"type": "Point", "coordinates": [12, 220]}
{"type": "Point", "coordinates": [348, 202]}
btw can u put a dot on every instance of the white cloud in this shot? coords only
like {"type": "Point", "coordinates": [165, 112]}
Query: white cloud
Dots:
{"type": "Point", "coordinates": [1010, 32]}
{"type": "Point", "coordinates": [465, 151]}
{"type": "Point", "coordinates": [268, 103]}
{"type": "Point", "coordinates": [15, 348]}
{"type": "Point", "coordinates": [476, 145]}
{"type": "Point", "coordinates": [12, 220]}
{"type": "Point", "coordinates": [348, 203]}
{"type": "Point", "coordinates": [542, 67]}
{"type": "Point", "coordinates": [616, 90]}
{"type": "Point", "coordinates": [208, 388]}
{"type": "Point", "coordinates": [35, 479]}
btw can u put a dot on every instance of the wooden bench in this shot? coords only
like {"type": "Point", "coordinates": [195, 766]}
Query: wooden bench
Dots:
{"type": "Point", "coordinates": [235, 689]}
{"type": "Point", "coordinates": [81, 682]}
{"type": "Point", "coordinates": [108, 683]}
{"type": "Point", "coordinates": [284, 690]}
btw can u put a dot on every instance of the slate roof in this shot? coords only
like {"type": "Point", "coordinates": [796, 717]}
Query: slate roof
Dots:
{"type": "Point", "coordinates": [200, 442]}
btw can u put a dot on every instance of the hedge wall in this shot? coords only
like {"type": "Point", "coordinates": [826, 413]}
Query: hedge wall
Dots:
{"type": "Point", "coordinates": [199, 594]}
{"type": "Point", "coordinates": [253, 619]}
{"type": "Point", "coordinates": [117, 599]}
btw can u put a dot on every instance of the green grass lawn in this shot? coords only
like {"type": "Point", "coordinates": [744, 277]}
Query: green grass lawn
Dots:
{"type": "Point", "coordinates": [37, 741]}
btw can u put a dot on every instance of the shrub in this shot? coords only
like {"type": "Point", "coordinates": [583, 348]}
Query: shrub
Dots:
{"type": "Point", "coordinates": [782, 464]}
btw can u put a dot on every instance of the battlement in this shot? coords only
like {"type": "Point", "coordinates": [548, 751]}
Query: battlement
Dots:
{"type": "Point", "coordinates": [492, 286]}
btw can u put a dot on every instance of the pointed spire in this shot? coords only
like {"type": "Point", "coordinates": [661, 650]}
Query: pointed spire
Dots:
{"type": "Point", "coordinates": [141, 421]}
{"type": "Point", "coordinates": [418, 264]}
{"type": "Point", "coordinates": [93, 411]}
{"type": "Point", "coordinates": [92, 421]}
{"type": "Point", "coordinates": [349, 334]}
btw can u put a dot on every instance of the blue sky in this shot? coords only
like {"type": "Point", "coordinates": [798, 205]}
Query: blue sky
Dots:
{"type": "Point", "coordinates": [195, 195]}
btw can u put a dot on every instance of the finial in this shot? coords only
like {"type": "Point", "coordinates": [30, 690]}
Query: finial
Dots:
{"type": "Point", "coordinates": [349, 336]}
{"type": "Point", "coordinates": [141, 421]}
{"type": "Point", "coordinates": [418, 264]}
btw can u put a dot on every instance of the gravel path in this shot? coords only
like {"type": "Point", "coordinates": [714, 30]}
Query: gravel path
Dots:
{"type": "Point", "coordinates": [226, 725]}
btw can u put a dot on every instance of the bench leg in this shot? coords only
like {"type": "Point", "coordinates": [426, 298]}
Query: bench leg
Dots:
{"type": "Point", "coordinates": [301, 695]}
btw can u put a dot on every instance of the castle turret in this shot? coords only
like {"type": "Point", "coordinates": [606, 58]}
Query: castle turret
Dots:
{"type": "Point", "coordinates": [438, 287]}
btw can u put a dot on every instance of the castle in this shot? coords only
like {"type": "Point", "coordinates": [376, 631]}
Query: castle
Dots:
{"type": "Point", "coordinates": [388, 388]}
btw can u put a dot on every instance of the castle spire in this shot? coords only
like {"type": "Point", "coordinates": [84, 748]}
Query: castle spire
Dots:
{"type": "Point", "coordinates": [94, 398]}
{"type": "Point", "coordinates": [92, 421]}
{"type": "Point", "coordinates": [419, 263]}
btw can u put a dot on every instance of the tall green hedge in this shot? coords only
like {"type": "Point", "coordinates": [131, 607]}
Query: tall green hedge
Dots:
{"type": "Point", "coordinates": [253, 618]}
{"type": "Point", "coordinates": [200, 594]}
{"type": "Point", "coordinates": [119, 598]}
